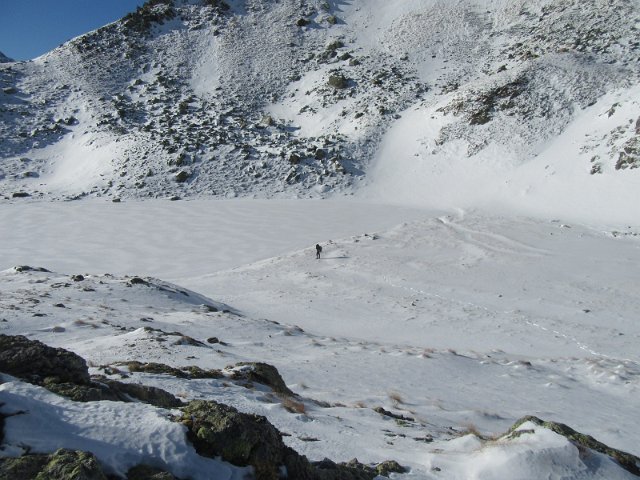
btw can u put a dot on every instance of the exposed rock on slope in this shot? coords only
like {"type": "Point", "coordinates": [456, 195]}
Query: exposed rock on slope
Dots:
{"type": "Point", "coordinates": [215, 429]}
{"type": "Point", "coordinates": [35, 362]}
{"type": "Point", "coordinates": [66, 374]}
{"type": "Point", "coordinates": [629, 462]}
{"type": "Point", "coordinates": [63, 464]}
{"type": "Point", "coordinates": [274, 98]}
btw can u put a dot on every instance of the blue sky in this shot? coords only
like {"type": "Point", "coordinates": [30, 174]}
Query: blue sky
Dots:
{"type": "Point", "coordinates": [29, 28]}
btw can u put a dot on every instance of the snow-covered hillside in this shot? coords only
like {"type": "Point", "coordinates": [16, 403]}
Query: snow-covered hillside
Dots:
{"type": "Point", "coordinates": [470, 168]}
{"type": "Point", "coordinates": [508, 99]}
{"type": "Point", "coordinates": [423, 343]}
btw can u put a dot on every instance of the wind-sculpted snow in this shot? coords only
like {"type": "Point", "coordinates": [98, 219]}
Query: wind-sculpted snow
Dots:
{"type": "Point", "coordinates": [422, 343]}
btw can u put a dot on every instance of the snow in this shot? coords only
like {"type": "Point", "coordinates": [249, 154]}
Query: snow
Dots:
{"type": "Point", "coordinates": [120, 435]}
{"type": "Point", "coordinates": [410, 169]}
{"type": "Point", "coordinates": [472, 273]}
{"type": "Point", "coordinates": [432, 319]}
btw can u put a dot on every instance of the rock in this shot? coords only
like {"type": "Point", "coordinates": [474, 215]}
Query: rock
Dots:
{"type": "Point", "coordinates": [390, 466]}
{"type": "Point", "coordinates": [2, 417]}
{"type": "Point", "coordinates": [77, 278]}
{"type": "Point", "coordinates": [187, 340]}
{"type": "Point", "coordinates": [194, 372]}
{"type": "Point", "coordinates": [334, 45]}
{"type": "Point", "coordinates": [155, 368]}
{"type": "Point", "coordinates": [20, 195]}
{"type": "Point", "coordinates": [239, 438]}
{"type": "Point", "coordinates": [145, 472]}
{"type": "Point", "coordinates": [65, 373]}
{"type": "Point", "coordinates": [294, 159]}
{"type": "Point", "coordinates": [152, 395]}
{"type": "Point", "coordinates": [352, 470]}
{"type": "Point", "coordinates": [27, 268]}
{"type": "Point", "coordinates": [338, 81]}
{"type": "Point", "coordinates": [62, 465]}
{"type": "Point", "coordinates": [106, 389]}
{"type": "Point", "coordinates": [189, 372]}
{"type": "Point", "coordinates": [629, 462]}
{"type": "Point", "coordinates": [34, 361]}
{"type": "Point", "coordinates": [78, 393]}
{"type": "Point", "coordinates": [387, 413]}
{"type": "Point", "coordinates": [73, 465]}
{"type": "Point", "coordinates": [261, 373]}
{"type": "Point", "coordinates": [182, 176]}
{"type": "Point", "coordinates": [248, 439]}
{"type": "Point", "coordinates": [302, 22]}
{"type": "Point", "coordinates": [26, 467]}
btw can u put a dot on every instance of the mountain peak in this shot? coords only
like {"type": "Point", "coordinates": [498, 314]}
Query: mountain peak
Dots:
{"type": "Point", "coordinates": [4, 58]}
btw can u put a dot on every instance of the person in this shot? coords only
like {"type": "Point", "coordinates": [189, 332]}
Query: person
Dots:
{"type": "Point", "coordinates": [318, 250]}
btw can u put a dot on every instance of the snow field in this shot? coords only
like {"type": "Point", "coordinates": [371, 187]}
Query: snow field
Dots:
{"type": "Point", "coordinates": [455, 321]}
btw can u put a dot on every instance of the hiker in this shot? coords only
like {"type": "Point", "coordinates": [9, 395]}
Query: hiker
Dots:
{"type": "Point", "coordinates": [318, 250]}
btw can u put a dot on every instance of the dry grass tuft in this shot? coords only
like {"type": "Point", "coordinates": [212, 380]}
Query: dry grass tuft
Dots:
{"type": "Point", "coordinates": [396, 398]}
{"type": "Point", "coordinates": [294, 406]}
{"type": "Point", "coordinates": [84, 323]}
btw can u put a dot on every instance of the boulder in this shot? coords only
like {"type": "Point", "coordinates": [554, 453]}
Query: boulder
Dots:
{"type": "Point", "coordinates": [239, 438]}
{"type": "Point", "coordinates": [34, 361]}
{"type": "Point", "coordinates": [62, 465]}
{"type": "Point", "coordinates": [103, 388]}
{"type": "Point", "coordinates": [261, 373]}
{"type": "Point", "coordinates": [338, 81]}
{"type": "Point", "coordinates": [143, 393]}
{"type": "Point", "coordinates": [218, 430]}
{"type": "Point", "coordinates": [145, 472]}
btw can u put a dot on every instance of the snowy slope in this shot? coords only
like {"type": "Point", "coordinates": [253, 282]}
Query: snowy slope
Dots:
{"type": "Point", "coordinates": [454, 323]}
{"type": "Point", "coordinates": [483, 268]}
{"type": "Point", "coordinates": [512, 101]}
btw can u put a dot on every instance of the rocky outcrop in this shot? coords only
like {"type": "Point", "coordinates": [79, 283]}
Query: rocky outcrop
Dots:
{"type": "Point", "coordinates": [62, 465]}
{"type": "Point", "coordinates": [66, 374]}
{"type": "Point", "coordinates": [145, 472]}
{"type": "Point", "coordinates": [34, 362]}
{"type": "Point", "coordinates": [239, 438]}
{"type": "Point", "coordinates": [629, 462]}
{"type": "Point", "coordinates": [261, 373]}
{"type": "Point", "coordinates": [103, 388]}
{"type": "Point", "coordinates": [67, 464]}
{"type": "Point", "coordinates": [188, 372]}
{"type": "Point", "coordinates": [218, 430]}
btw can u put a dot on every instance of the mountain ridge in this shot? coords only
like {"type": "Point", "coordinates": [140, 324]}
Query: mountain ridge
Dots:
{"type": "Point", "coordinates": [254, 98]}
